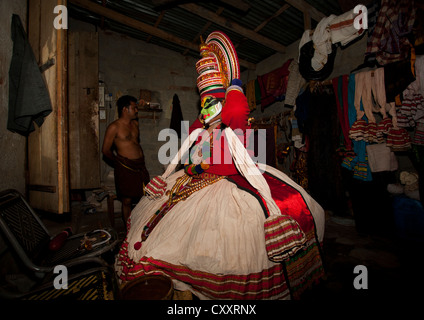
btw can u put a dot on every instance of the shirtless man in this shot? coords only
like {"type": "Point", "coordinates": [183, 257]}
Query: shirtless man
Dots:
{"type": "Point", "coordinates": [122, 136]}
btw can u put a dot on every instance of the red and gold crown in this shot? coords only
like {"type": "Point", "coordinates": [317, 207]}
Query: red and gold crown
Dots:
{"type": "Point", "coordinates": [218, 66]}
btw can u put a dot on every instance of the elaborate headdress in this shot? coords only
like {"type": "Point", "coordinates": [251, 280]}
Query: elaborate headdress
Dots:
{"type": "Point", "coordinates": [218, 66]}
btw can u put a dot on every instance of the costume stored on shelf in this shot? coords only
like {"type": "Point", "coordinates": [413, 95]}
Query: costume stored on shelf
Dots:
{"type": "Point", "coordinates": [224, 227]}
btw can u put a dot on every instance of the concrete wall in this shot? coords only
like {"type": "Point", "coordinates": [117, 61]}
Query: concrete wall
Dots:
{"type": "Point", "coordinates": [163, 72]}
{"type": "Point", "coordinates": [12, 145]}
{"type": "Point", "coordinates": [127, 65]}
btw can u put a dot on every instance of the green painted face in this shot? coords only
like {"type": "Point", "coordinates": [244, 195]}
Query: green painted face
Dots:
{"type": "Point", "coordinates": [211, 107]}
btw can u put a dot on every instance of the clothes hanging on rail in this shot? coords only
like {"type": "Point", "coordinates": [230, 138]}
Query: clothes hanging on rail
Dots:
{"type": "Point", "coordinates": [411, 111]}
{"type": "Point", "coordinates": [358, 161]}
{"type": "Point", "coordinates": [371, 95]}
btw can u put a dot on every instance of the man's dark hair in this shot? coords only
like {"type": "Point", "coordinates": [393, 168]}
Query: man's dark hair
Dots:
{"type": "Point", "coordinates": [123, 102]}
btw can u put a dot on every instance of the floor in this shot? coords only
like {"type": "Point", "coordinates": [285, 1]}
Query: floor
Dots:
{"type": "Point", "coordinates": [390, 265]}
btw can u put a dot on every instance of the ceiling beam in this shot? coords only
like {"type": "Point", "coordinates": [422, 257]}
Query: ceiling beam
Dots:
{"type": "Point", "coordinates": [158, 20]}
{"type": "Point", "coordinates": [205, 27]}
{"type": "Point", "coordinates": [307, 9]}
{"type": "Point", "coordinates": [141, 26]}
{"type": "Point", "coordinates": [275, 15]}
{"type": "Point", "coordinates": [250, 34]}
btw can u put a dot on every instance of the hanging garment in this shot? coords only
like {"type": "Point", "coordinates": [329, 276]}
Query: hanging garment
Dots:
{"type": "Point", "coordinates": [251, 94]}
{"type": "Point", "coordinates": [29, 99]}
{"type": "Point", "coordinates": [358, 161]}
{"type": "Point", "coordinates": [419, 72]}
{"type": "Point", "coordinates": [273, 85]}
{"type": "Point", "coordinates": [418, 138]}
{"type": "Point", "coordinates": [294, 84]}
{"type": "Point", "coordinates": [370, 93]}
{"type": "Point", "coordinates": [322, 43]}
{"type": "Point", "coordinates": [389, 39]}
{"type": "Point", "coordinates": [411, 111]}
{"type": "Point", "coordinates": [342, 28]}
{"type": "Point", "coordinates": [324, 172]}
{"type": "Point", "coordinates": [373, 9]}
{"type": "Point", "coordinates": [412, 106]}
{"type": "Point", "coordinates": [177, 116]}
{"type": "Point", "coordinates": [302, 109]}
{"type": "Point", "coordinates": [340, 91]}
{"type": "Point", "coordinates": [307, 51]}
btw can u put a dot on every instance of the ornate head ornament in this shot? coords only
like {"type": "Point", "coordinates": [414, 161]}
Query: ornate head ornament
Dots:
{"type": "Point", "coordinates": [217, 68]}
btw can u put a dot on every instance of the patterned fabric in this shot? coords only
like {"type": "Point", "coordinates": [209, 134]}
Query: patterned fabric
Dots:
{"type": "Point", "coordinates": [273, 85]}
{"type": "Point", "coordinates": [418, 138]}
{"type": "Point", "coordinates": [218, 66]}
{"type": "Point", "coordinates": [288, 279]}
{"type": "Point", "coordinates": [267, 284]}
{"type": "Point", "coordinates": [156, 187]}
{"type": "Point", "coordinates": [395, 21]}
{"type": "Point", "coordinates": [222, 46]}
{"type": "Point", "coordinates": [283, 237]}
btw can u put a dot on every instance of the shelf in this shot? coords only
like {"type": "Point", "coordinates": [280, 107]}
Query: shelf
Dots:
{"type": "Point", "coordinates": [149, 113]}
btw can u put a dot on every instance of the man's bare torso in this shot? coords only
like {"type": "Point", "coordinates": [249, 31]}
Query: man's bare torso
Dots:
{"type": "Point", "coordinates": [127, 140]}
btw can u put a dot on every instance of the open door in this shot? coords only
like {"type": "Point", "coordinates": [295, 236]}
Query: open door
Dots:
{"type": "Point", "coordinates": [48, 165]}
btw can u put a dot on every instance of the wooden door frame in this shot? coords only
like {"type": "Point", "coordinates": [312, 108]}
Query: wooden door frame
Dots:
{"type": "Point", "coordinates": [48, 184]}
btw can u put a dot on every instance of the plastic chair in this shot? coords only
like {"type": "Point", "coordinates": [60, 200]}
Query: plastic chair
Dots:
{"type": "Point", "coordinates": [29, 238]}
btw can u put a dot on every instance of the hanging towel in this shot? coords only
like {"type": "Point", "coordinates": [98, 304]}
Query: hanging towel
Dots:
{"type": "Point", "coordinates": [29, 99]}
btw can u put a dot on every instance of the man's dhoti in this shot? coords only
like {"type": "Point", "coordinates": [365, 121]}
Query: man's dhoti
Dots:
{"type": "Point", "coordinates": [130, 178]}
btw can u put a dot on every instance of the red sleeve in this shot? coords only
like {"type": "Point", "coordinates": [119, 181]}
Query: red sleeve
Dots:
{"type": "Point", "coordinates": [235, 112]}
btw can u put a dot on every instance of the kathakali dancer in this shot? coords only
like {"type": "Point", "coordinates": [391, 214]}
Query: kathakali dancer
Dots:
{"type": "Point", "coordinates": [224, 229]}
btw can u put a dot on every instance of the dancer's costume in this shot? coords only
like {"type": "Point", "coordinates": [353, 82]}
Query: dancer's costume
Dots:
{"type": "Point", "coordinates": [224, 230]}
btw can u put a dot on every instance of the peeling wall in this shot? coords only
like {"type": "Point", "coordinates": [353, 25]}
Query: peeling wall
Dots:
{"type": "Point", "coordinates": [12, 145]}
